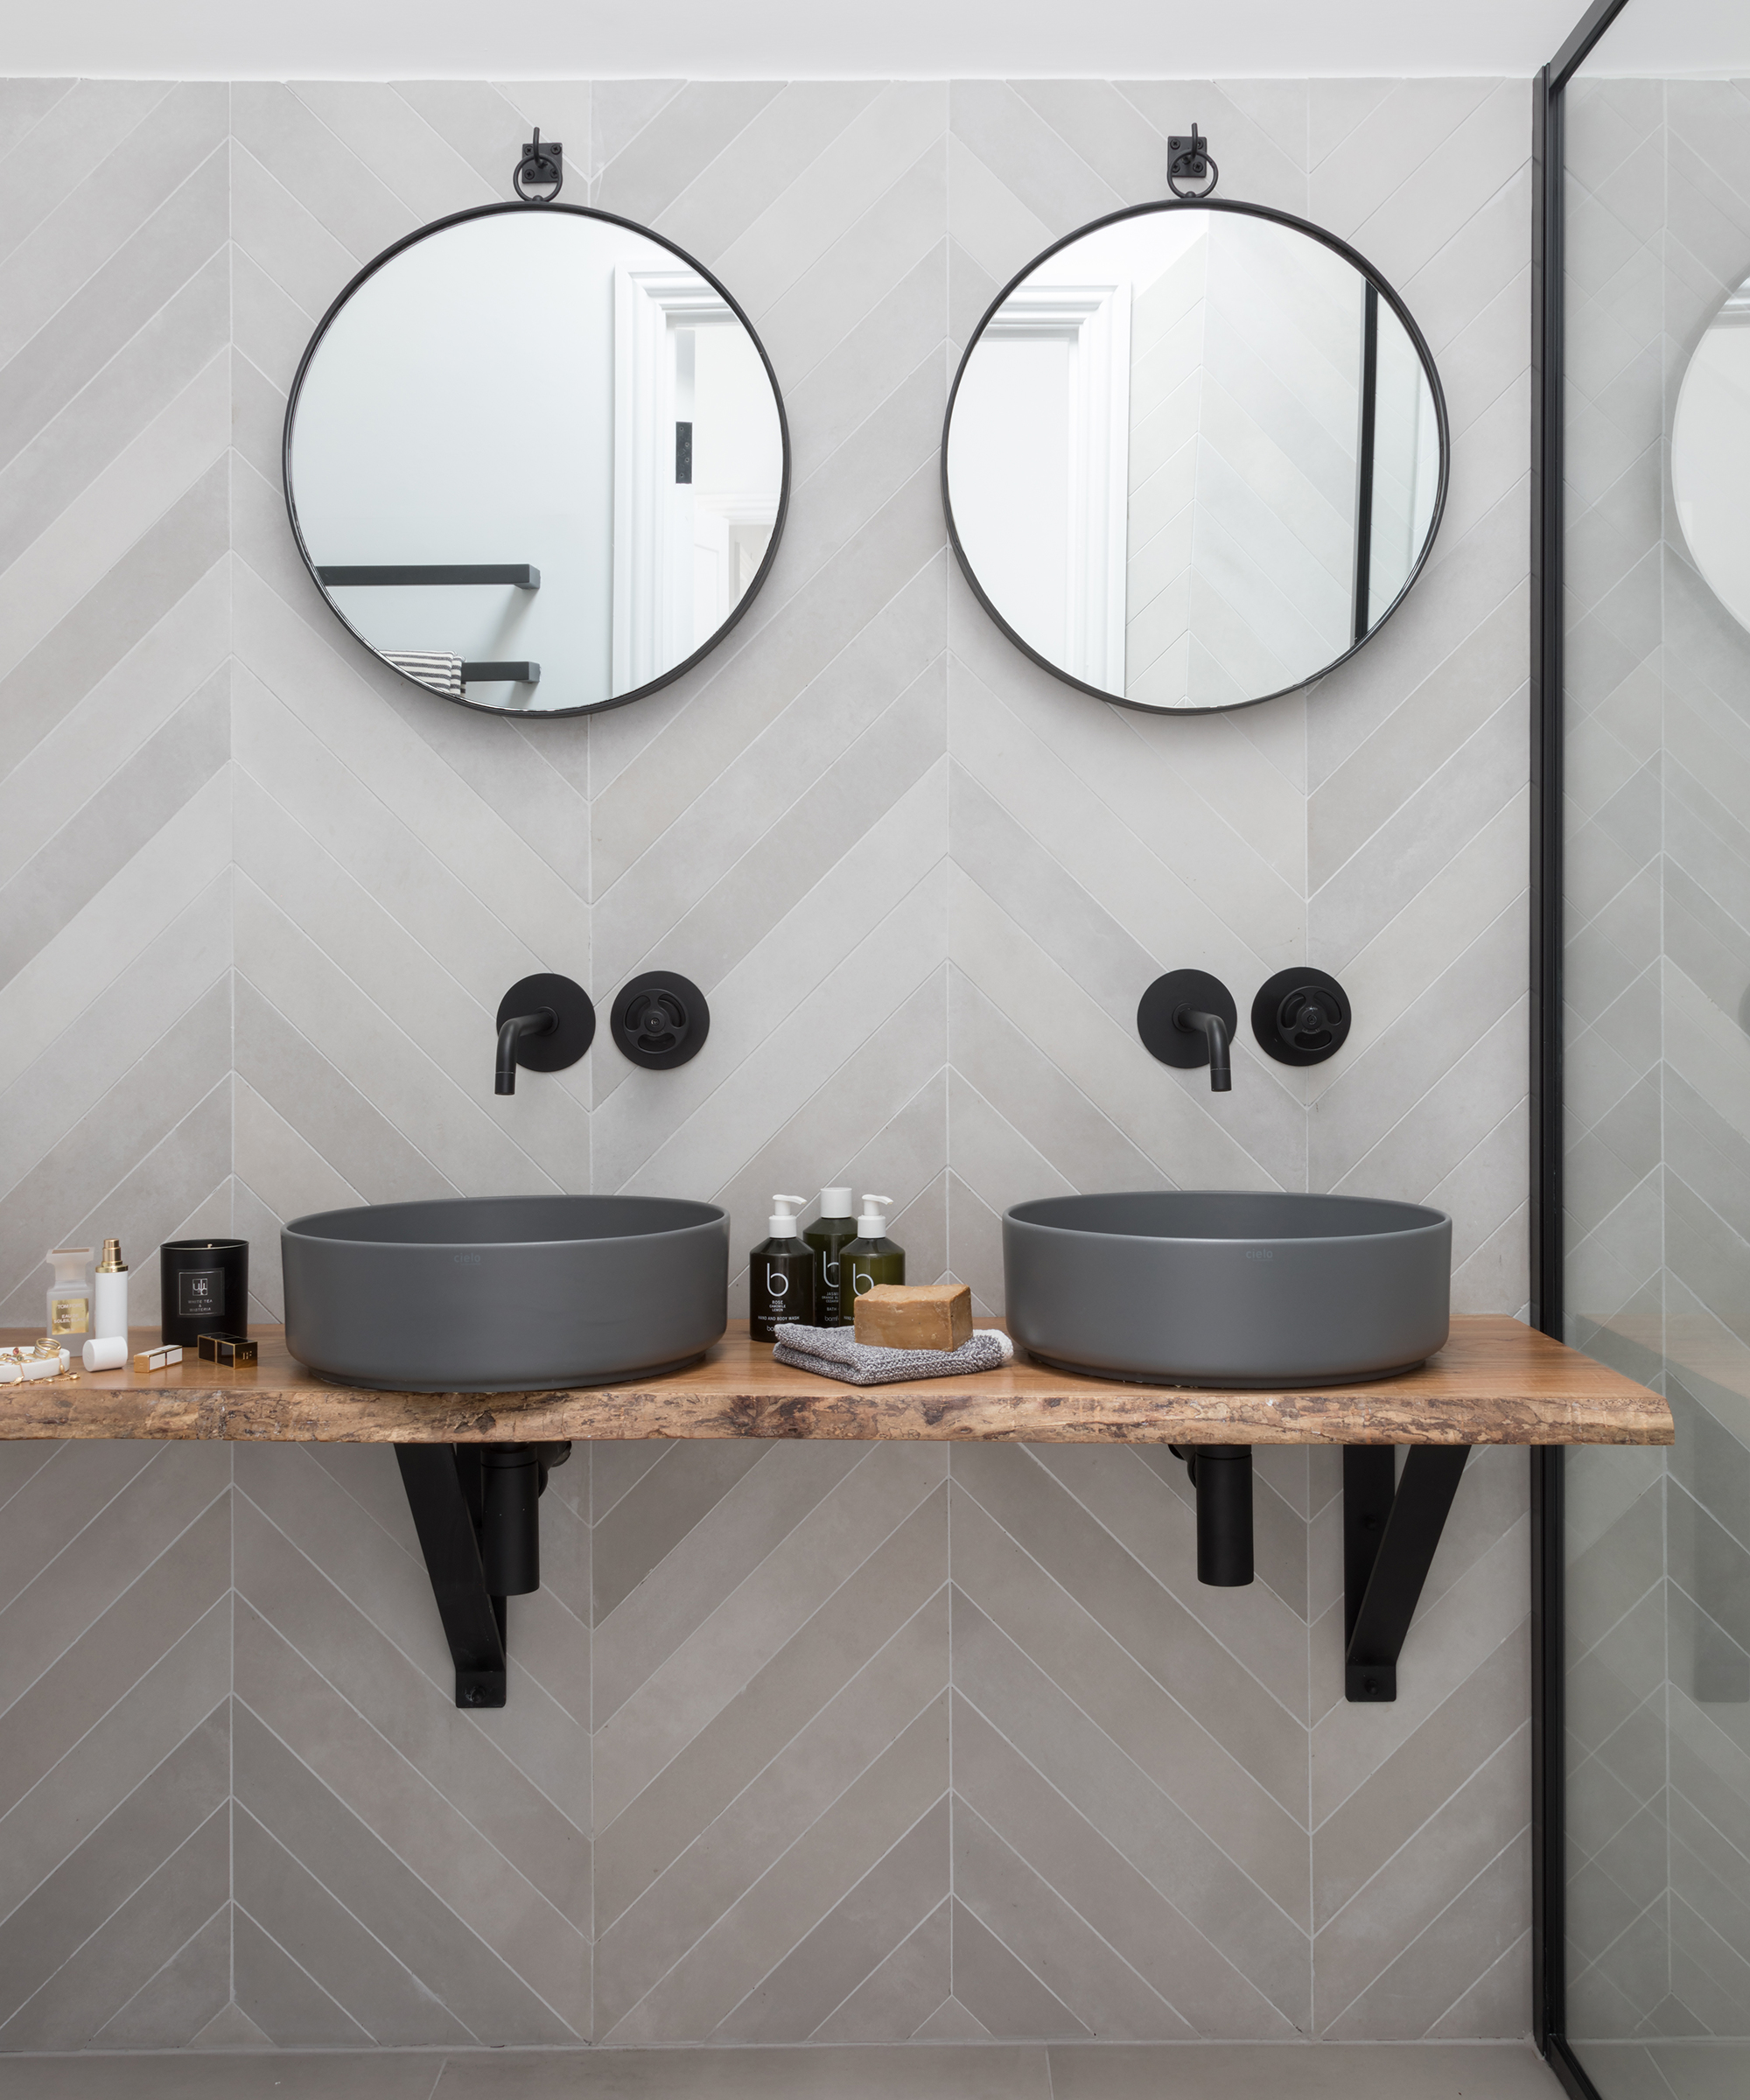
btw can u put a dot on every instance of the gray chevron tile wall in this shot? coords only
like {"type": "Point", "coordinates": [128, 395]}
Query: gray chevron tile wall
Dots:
{"type": "Point", "coordinates": [1657, 1105]}
{"type": "Point", "coordinates": [856, 1743]}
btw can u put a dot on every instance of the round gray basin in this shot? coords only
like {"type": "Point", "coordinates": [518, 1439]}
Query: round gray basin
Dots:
{"type": "Point", "coordinates": [1226, 1287]}
{"type": "Point", "coordinates": [505, 1294]}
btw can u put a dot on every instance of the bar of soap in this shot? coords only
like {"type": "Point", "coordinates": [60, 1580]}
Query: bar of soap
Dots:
{"type": "Point", "coordinates": [915, 1316]}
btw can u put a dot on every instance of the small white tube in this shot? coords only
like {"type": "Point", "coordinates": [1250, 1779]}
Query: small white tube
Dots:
{"type": "Point", "coordinates": [107, 1354]}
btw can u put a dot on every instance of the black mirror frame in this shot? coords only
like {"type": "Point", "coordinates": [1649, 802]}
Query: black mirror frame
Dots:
{"type": "Point", "coordinates": [581, 211]}
{"type": "Point", "coordinates": [1369, 275]}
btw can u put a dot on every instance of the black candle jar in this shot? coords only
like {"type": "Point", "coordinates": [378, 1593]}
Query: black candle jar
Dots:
{"type": "Point", "coordinates": [204, 1288]}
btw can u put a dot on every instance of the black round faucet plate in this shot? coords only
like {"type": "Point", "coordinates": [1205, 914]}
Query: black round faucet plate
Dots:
{"type": "Point", "coordinates": [1301, 1016]}
{"type": "Point", "coordinates": [574, 1010]}
{"type": "Point", "coordinates": [1186, 1047]}
{"type": "Point", "coordinates": [661, 1019]}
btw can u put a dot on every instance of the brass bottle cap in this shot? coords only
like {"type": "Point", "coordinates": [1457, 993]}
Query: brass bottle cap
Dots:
{"type": "Point", "coordinates": [112, 1264]}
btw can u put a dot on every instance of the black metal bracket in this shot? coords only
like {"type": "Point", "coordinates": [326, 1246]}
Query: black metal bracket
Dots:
{"type": "Point", "coordinates": [1391, 1529]}
{"type": "Point", "coordinates": [474, 1509]}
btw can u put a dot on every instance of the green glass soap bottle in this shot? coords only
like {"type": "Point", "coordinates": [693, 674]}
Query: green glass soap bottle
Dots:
{"type": "Point", "coordinates": [781, 1274]}
{"type": "Point", "coordinates": [834, 1230]}
{"type": "Point", "coordinates": [871, 1258]}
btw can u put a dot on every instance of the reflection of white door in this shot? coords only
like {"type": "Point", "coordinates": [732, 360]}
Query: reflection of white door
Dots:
{"type": "Point", "coordinates": [654, 590]}
{"type": "Point", "coordinates": [1039, 467]}
{"type": "Point", "coordinates": [711, 582]}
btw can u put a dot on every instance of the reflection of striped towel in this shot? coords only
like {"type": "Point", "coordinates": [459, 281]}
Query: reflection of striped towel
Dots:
{"type": "Point", "coordinates": [443, 673]}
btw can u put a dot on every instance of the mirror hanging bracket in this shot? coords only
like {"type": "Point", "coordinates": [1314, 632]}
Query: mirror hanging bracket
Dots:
{"type": "Point", "coordinates": [540, 164]}
{"type": "Point", "coordinates": [1187, 160]}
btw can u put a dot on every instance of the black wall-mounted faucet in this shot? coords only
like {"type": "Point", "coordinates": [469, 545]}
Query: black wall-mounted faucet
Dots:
{"type": "Point", "coordinates": [1187, 1018]}
{"type": "Point", "coordinates": [544, 1023]}
{"type": "Point", "coordinates": [1216, 1034]}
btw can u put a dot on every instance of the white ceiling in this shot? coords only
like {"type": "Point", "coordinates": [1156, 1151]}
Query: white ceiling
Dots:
{"type": "Point", "coordinates": [582, 39]}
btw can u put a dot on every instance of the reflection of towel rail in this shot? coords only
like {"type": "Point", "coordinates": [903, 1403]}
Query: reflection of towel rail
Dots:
{"type": "Point", "coordinates": [522, 575]}
{"type": "Point", "coordinates": [505, 673]}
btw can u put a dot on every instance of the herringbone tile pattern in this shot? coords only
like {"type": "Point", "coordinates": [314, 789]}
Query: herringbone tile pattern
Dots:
{"type": "Point", "coordinates": [852, 1743]}
{"type": "Point", "coordinates": [1658, 1170]}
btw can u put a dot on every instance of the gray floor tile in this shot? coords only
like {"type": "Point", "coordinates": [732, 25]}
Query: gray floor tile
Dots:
{"type": "Point", "coordinates": [1694, 2070]}
{"type": "Point", "coordinates": [920, 2073]}
{"type": "Point", "coordinates": [1094, 2071]}
{"type": "Point", "coordinates": [189, 2074]}
{"type": "Point", "coordinates": [1302, 2071]}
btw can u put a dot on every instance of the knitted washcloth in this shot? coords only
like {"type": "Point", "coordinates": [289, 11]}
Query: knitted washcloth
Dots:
{"type": "Point", "coordinates": [836, 1353]}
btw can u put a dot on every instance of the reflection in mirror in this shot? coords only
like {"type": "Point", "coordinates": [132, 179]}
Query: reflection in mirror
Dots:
{"type": "Point", "coordinates": [536, 458]}
{"type": "Point", "coordinates": [1194, 456]}
{"type": "Point", "coordinates": [1711, 455]}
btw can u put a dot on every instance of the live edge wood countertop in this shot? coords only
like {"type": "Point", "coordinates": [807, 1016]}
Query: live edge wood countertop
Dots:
{"type": "Point", "coordinates": [1496, 1381]}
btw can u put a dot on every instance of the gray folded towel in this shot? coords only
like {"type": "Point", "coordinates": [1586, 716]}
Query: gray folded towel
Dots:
{"type": "Point", "coordinates": [435, 668]}
{"type": "Point", "coordinates": [836, 1352]}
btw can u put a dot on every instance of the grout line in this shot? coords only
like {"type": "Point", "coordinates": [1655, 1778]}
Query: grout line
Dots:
{"type": "Point", "coordinates": [146, 1874]}
{"type": "Point", "coordinates": [902, 998]}
{"type": "Point", "coordinates": [480, 1942]}
{"type": "Point", "coordinates": [1147, 1780]}
{"type": "Point", "coordinates": [1399, 1953]}
{"type": "Point", "coordinates": [533, 1683]}
{"type": "Point", "coordinates": [1167, 1902]}
{"type": "Point", "coordinates": [899, 1946]}
{"type": "Point", "coordinates": [1507, 1743]}
{"type": "Point", "coordinates": [98, 1723]}
{"type": "Point", "coordinates": [837, 1901]}
{"type": "Point", "coordinates": [279, 1946]}
{"type": "Point", "coordinates": [1180, 1504]}
{"type": "Point", "coordinates": [22, 1691]}
{"type": "Point", "coordinates": [789, 1743]}
{"type": "Point", "coordinates": [175, 1955]}
{"type": "Point", "coordinates": [772, 1867]}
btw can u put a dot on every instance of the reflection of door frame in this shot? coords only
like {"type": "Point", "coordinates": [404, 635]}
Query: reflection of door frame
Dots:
{"type": "Point", "coordinates": [1095, 320]}
{"type": "Point", "coordinates": [648, 304]}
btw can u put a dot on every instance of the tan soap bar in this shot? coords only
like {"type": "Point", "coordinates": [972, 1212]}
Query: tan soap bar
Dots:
{"type": "Point", "coordinates": [915, 1316]}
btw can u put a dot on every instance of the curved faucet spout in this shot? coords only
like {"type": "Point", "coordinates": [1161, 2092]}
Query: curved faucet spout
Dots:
{"type": "Point", "coordinates": [543, 1021]}
{"type": "Point", "coordinates": [1215, 1029]}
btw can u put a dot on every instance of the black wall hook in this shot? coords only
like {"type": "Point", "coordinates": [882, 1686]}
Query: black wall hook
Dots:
{"type": "Point", "coordinates": [1187, 160]}
{"type": "Point", "coordinates": [540, 164]}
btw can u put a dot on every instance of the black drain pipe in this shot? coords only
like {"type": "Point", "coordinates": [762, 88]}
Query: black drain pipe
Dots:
{"type": "Point", "coordinates": [1222, 1474]}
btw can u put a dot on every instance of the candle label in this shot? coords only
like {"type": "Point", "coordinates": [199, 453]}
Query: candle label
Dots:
{"type": "Point", "coordinates": [201, 1293]}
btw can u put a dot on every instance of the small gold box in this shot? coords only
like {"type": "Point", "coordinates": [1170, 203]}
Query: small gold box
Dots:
{"type": "Point", "coordinates": [227, 1348]}
{"type": "Point", "coordinates": [915, 1316]}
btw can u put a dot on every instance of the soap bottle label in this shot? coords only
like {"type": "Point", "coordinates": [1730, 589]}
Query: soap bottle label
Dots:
{"type": "Point", "coordinates": [780, 1288]}
{"type": "Point", "coordinates": [864, 1271]}
{"type": "Point", "coordinates": [829, 1238]}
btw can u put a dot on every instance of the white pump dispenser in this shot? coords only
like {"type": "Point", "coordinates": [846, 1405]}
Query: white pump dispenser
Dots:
{"type": "Point", "coordinates": [872, 1225]}
{"type": "Point", "coordinates": [782, 1222]}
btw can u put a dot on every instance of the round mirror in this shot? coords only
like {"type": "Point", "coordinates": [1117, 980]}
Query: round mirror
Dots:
{"type": "Point", "coordinates": [536, 458]}
{"type": "Point", "coordinates": [1711, 455]}
{"type": "Point", "coordinates": [1195, 454]}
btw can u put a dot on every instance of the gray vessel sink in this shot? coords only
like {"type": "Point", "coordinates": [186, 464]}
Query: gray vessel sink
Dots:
{"type": "Point", "coordinates": [1228, 1287]}
{"type": "Point", "coordinates": [503, 1294]}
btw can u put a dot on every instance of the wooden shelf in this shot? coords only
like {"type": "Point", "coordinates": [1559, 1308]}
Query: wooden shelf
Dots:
{"type": "Point", "coordinates": [1495, 1382]}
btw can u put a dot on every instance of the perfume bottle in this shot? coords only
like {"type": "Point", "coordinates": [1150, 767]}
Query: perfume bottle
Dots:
{"type": "Point", "coordinates": [69, 1296]}
{"type": "Point", "coordinates": [109, 1296]}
